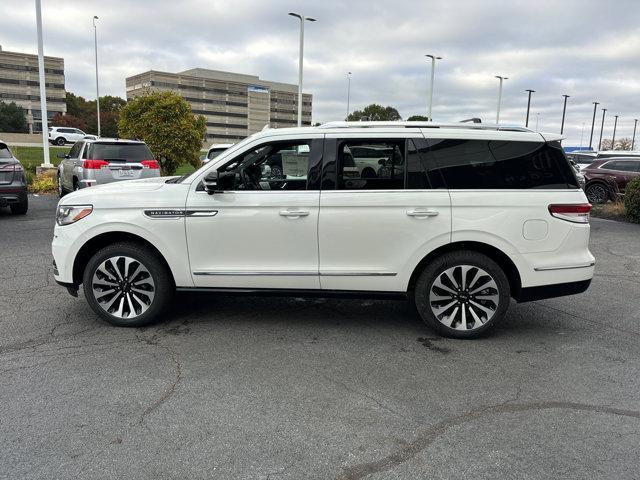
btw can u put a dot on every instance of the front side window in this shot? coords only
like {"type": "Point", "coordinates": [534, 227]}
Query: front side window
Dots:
{"type": "Point", "coordinates": [500, 164]}
{"type": "Point", "coordinates": [274, 166]}
{"type": "Point", "coordinates": [214, 152]}
{"type": "Point", "coordinates": [75, 150]}
{"type": "Point", "coordinates": [371, 164]}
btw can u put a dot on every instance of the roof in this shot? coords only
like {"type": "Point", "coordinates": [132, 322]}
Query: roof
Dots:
{"type": "Point", "coordinates": [112, 140]}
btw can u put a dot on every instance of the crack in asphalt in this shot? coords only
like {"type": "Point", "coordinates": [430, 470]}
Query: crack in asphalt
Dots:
{"type": "Point", "coordinates": [429, 436]}
{"type": "Point", "coordinates": [154, 341]}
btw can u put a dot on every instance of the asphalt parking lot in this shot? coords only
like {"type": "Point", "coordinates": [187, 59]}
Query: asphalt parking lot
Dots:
{"type": "Point", "coordinates": [268, 388]}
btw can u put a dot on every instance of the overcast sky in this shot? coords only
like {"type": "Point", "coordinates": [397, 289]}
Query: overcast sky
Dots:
{"type": "Point", "coordinates": [587, 49]}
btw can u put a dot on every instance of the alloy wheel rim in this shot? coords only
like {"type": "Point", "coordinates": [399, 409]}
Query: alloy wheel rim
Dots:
{"type": "Point", "coordinates": [123, 287]}
{"type": "Point", "coordinates": [464, 297]}
{"type": "Point", "coordinates": [597, 194]}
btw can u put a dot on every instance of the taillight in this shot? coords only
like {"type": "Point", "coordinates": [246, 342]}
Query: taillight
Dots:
{"type": "Point", "coordinates": [577, 212]}
{"type": "Point", "coordinates": [18, 167]}
{"type": "Point", "coordinates": [94, 164]}
{"type": "Point", "coordinates": [153, 164]}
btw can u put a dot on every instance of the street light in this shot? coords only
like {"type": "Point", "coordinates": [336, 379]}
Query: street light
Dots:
{"type": "Point", "coordinates": [526, 123]}
{"type": "Point", "coordinates": [433, 70]}
{"type": "Point", "coordinates": [564, 110]}
{"type": "Point", "coordinates": [604, 110]}
{"type": "Point", "coordinates": [537, 120]}
{"type": "Point", "coordinates": [348, 92]}
{"type": "Point", "coordinates": [43, 90]}
{"type": "Point", "coordinates": [302, 19]}
{"type": "Point", "coordinates": [615, 125]}
{"type": "Point", "coordinates": [633, 139]}
{"type": "Point", "coordinates": [593, 123]}
{"type": "Point", "coordinates": [501, 78]}
{"type": "Point", "coordinates": [95, 46]}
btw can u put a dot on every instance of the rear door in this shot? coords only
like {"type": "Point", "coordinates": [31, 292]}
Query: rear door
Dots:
{"type": "Point", "coordinates": [377, 221]}
{"type": "Point", "coordinates": [72, 164]}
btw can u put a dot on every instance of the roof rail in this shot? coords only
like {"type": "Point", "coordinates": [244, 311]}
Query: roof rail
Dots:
{"type": "Point", "coordinates": [405, 124]}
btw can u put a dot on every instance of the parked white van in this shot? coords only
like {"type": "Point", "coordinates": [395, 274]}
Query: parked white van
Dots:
{"type": "Point", "coordinates": [459, 218]}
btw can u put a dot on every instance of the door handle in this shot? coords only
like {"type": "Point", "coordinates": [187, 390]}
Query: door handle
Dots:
{"type": "Point", "coordinates": [294, 213]}
{"type": "Point", "coordinates": [422, 213]}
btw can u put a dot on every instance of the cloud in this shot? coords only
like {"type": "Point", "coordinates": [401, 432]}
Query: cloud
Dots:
{"type": "Point", "coordinates": [586, 49]}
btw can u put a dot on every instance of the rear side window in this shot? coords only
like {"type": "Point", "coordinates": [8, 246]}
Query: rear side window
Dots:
{"type": "Point", "coordinates": [499, 164]}
{"type": "Point", "coordinates": [123, 152]}
{"type": "Point", "coordinates": [622, 165]}
{"type": "Point", "coordinates": [5, 152]}
{"type": "Point", "coordinates": [371, 164]}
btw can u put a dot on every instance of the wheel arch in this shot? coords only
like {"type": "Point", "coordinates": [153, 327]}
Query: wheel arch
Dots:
{"type": "Point", "coordinates": [497, 255]}
{"type": "Point", "coordinates": [102, 240]}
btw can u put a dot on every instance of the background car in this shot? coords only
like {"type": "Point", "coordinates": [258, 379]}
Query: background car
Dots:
{"type": "Point", "coordinates": [13, 184]}
{"type": "Point", "coordinates": [94, 162]}
{"type": "Point", "coordinates": [607, 178]}
{"type": "Point", "coordinates": [63, 135]}
{"type": "Point", "coordinates": [214, 150]}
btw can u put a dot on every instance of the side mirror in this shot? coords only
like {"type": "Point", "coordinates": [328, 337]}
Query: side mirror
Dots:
{"type": "Point", "coordinates": [218, 182]}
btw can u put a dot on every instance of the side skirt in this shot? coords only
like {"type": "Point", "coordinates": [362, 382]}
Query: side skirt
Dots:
{"type": "Point", "coordinates": [285, 292]}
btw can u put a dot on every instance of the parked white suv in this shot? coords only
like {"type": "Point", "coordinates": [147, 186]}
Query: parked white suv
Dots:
{"type": "Point", "coordinates": [63, 135]}
{"type": "Point", "coordinates": [462, 218]}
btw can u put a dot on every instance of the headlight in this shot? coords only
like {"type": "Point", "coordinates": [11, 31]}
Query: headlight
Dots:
{"type": "Point", "coordinates": [68, 214]}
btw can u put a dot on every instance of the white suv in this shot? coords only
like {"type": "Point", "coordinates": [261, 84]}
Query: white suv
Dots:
{"type": "Point", "coordinates": [63, 135]}
{"type": "Point", "coordinates": [461, 218]}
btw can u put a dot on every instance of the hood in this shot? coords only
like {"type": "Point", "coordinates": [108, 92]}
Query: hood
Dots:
{"type": "Point", "coordinates": [116, 189]}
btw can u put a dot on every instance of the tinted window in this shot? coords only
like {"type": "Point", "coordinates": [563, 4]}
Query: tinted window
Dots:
{"type": "Point", "coordinates": [213, 153]}
{"type": "Point", "coordinates": [75, 150]}
{"type": "Point", "coordinates": [4, 152]}
{"type": "Point", "coordinates": [622, 165]}
{"type": "Point", "coordinates": [498, 164]}
{"type": "Point", "coordinates": [371, 164]}
{"type": "Point", "coordinates": [422, 171]}
{"type": "Point", "coordinates": [275, 165]}
{"type": "Point", "coordinates": [124, 152]}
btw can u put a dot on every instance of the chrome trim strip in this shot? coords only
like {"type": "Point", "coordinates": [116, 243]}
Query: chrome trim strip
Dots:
{"type": "Point", "coordinates": [338, 273]}
{"type": "Point", "coordinates": [201, 213]}
{"type": "Point", "coordinates": [564, 267]}
{"type": "Point", "coordinates": [299, 273]}
{"type": "Point", "coordinates": [178, 212]}
{"type": "Point", "coordinates": [262, 273]}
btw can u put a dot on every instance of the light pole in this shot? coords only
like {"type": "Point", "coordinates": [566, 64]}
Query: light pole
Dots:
{"type": "Point", "coordinates": [564, 110]}
{"type": "Point", "coordinates": [302, 19]}
{"type": "Point", "coordinates": [581, 135]}
{"type": "Point", "coordinates": [615, 125]}
{"type": "Point", "coordinates": [43, 90]}
{"type": "Point", "coordinates": [433, 71]}
{"type": "Point", "coordinates": [95, 46]}
{"type": "Point", "coordinates": [537, 120]}
{"type": "Point", "coordinates": [593, 123]}
{"type": "Point", "coordinates": [604, 111]}
{"type": "Point", "coordinates": [633, 139]}
{"type": "Point", "coordinates": [348, 92]}
{"type": "Point", "coordinates": [526, 123]}
{"type": "Point", "coordinates": [502, 79]}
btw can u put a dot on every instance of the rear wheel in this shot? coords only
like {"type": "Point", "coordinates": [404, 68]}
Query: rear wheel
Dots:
{"type": "Point", "coordinates": [20, 208]}
{"type": "Point", "coordinates": [127, 286]}
{"type": "Point", "coordinates": [462, 294]}
{"type": "Point", "coordinates": [60, 141]}
{"type": "Point", "coordinates": [597, 193]}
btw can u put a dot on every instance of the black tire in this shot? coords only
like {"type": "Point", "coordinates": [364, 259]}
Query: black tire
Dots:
{"type": "Point", "coordinates": [465, 301]}
{"type": "Point", "coordinates": [61, 190]}
{"type": "Point", "coordinates": [60, 141]}
{"type": "Point", "coordinates": [597, 193]}
{"type": "Point", "coordinates": [20, 208]}
{"type": "Point", "coordinates": [158, 272]}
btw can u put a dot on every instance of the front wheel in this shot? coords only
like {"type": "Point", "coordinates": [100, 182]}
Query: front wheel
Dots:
{"type": "Point", "coordinates": [60, 141]}
{"type": "Point", "coordinates": [462, 294]}
{"type": "Point", "coordinates": [127, 285]}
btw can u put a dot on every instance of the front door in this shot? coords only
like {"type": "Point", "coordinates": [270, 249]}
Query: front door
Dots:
{"type": "Point", "coordinates": [263, 233]}
{"type": "Point", "coordinates": [380, 214]}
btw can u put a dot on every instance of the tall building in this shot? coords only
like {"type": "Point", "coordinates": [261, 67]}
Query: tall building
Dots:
{"type": "Point", "coordinates": [235, 105]}
{"type": "Point", "coordinates": [19, 83]}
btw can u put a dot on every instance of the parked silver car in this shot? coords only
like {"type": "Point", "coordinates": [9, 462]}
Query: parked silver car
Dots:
{"type": "Point", "coordinates": [94, 162]}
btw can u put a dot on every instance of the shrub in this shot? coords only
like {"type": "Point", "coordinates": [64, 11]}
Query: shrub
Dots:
{"type": "Point", "coordinates": [632, 199]}
{"type": "Point", "coordinates": [45, 182]}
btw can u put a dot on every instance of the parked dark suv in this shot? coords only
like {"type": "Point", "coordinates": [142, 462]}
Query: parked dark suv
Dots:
{"type": "Point", "coordinates": [13, 184]}
{"type": "Point", "coordinates": [607, 178]}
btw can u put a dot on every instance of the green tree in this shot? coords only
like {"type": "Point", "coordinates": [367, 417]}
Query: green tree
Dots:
{"type": "Point", "coordinates": [418, 118]}
{"type": "Point", "coordinates": [12, 118]}
{"type": "Point", "coordinates": [375, 112]}
{"type": "Point", "coordinates": [86, 111]}
{"type": "Point", "coordinates": [165, 122]}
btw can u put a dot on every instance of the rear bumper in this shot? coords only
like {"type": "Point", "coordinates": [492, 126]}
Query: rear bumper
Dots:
{"type": "Point", "coordinates": [530, 294]}
{"type": "Point", "coordinates": [10, 194]}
